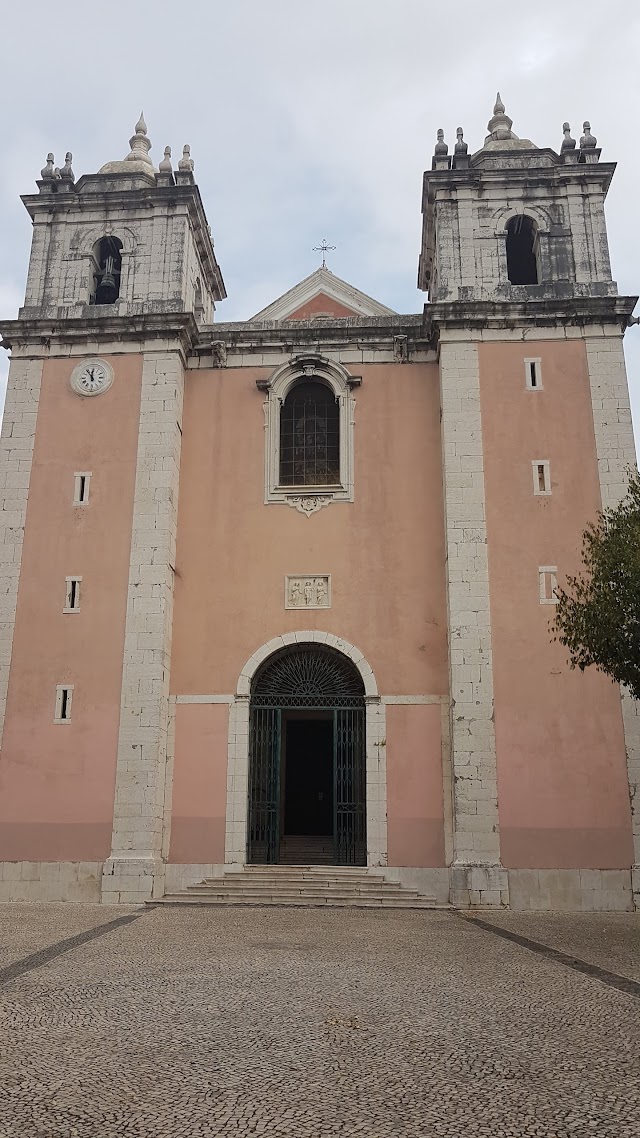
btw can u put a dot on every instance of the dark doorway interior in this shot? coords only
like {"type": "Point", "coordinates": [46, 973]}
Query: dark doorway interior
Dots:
{"type": "Point", "coordinates": [308, 784]}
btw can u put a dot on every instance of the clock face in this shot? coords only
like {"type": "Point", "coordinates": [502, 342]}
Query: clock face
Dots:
{"type": "Point", "coordinates": [91, 377]}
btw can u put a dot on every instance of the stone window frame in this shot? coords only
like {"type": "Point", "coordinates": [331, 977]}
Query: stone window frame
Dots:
{"type": "Point", "coordinates": [536, 463]}
{"type": "Point", "coordinates": [548, 575]}
{"type": "Point", "coordinates": [57, 716]}
{"type": "Point", "coordinates": [308, 499]}
{"type": "Point", "coordinates": [130, 241]}
{"type": "Point", "coordinates": [542, 221]}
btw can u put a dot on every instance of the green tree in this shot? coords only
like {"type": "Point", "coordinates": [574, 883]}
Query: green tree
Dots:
{"type": "Point", "coordinates": [598, 616]}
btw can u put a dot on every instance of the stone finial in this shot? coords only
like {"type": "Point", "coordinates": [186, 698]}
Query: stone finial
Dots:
{"type": "Point", "coordinates": [66, 171]}
{"type": "Point", "coordinates": [46, 173]}
{"type": "Point", "coordinates": [441, 147]}
{"type": "Point", "coordinates": [140, 144]}
{"type": "Point", "coordinates": [587, 141]}
{"type": "Point", "coordinates": [186, 162]}
{"type": "Point", "coordinates": [166, 166]}
{"type": "Point", "coordinates": [461, 146]}
{"type": "Point", "coordinates": [499, 125]}
{"type": "Point", "coordinates": [568, 143]}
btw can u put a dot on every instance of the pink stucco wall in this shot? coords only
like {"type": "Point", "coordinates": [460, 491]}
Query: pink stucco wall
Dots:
{"type": "Point", "coordinates": [321, 304]}
{"type": "Point", "coordinates": [57, 780]}
{"type": "Point", "coordinates": [200, 783]}
{"type": "Point", "coordinates": [415, 821]}
{"type": "Point", "coordinates": [562, 783]}
{"type": "Point", "coordinates": [385, 553]}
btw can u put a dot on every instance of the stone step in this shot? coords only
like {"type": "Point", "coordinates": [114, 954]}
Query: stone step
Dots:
{"type": "Point", "coordinates": [308, 867]}
{"type": "Point", "coordinates": [303, 882]}
{"type": "Point", "coordinates": [319, 894]}
{"type": "Point", "coordinates": [313, 887]}
{"type": "Point", "coordinates": [321, 889]}
{"type": "Point", "coordinates": [301, 902]}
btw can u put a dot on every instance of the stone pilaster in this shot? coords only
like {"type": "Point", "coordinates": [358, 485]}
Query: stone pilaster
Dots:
{"type": "Point", "coordinates": [18, 435]}
{"type": "Point", "coordinates": [616, 452]}
{"type": "Point", "coordinates": [144, 743]}
{"type": "Point", "coordinates": [476, 874]}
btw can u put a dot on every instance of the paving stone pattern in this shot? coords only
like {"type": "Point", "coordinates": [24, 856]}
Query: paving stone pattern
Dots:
{"type": "Point", "coordinates": [608, 940]}
{"type": "Point", "coordinates": [28, 928]}
{"type": "Point", "coordinates": [311, 1023]}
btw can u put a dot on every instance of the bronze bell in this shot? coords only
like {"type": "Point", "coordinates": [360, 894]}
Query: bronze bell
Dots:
{"type": "Point", "coordinates": [108, 288]}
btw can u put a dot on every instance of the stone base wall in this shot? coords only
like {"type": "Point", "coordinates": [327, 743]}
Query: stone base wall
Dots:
{"type": "Point", "coordinates": [429, 882]}
{"type": "Point", "coordinates": [50, 880]}
{"type": "Point", "coordinates": [475, 887]}
{"type": "Point", "coordinates": [177, 877]}
{"type": "Point", "coordinates": [571, 890]}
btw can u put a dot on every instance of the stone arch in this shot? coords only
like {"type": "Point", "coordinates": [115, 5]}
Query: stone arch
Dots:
{"type": "Point", "coordinates": [309, 365]}
{"type": "Point", "coordinates": [124, 233]}
{"type": "Point", "coordinates": [505, 214]}
{"type": "Point", "coordinates": [354, 654]}
{"type": "Point", "coordinates": [238, 746]}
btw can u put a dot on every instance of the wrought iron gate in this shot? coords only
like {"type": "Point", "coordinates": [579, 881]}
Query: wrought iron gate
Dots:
{"type": "Point", "coordinates": [309, 677]}
{"type": "Point", "coordinates": [264, 785]}
{"type": "Point", "coordinates": [350, 847]}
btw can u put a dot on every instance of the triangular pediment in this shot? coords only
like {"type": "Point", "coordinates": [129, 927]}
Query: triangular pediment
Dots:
{"type": "Point", "coordinates": [322, 294]}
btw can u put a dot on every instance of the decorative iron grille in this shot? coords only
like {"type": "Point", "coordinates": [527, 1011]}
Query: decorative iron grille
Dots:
{"type": "Point", "coordinates": [306, 677]}
{"type": "Point", "coordinates": [310, 436]}
{"type": "Point", "coordinates": [313, 676]}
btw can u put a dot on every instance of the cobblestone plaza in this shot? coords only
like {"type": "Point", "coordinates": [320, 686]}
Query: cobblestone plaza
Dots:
{"type": "Point", "coordinates": [206, 1021]}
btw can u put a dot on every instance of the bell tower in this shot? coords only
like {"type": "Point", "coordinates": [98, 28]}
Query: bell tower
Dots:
{"type": "Point", "coordinates": [128, 241]}
{"type": "Point", "coordinates": [529, 327]}
{"type": "Point", "coordinates": [514, 222]}
{"type": "Point", "coordinates": [121, 279]}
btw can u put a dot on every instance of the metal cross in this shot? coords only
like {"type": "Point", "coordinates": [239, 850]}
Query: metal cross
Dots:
{"type": "Point", "coordinates": [324, 249]}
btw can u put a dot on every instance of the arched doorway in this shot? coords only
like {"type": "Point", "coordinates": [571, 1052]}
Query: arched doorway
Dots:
{"type": "Point", "coordinates": [307, 765]}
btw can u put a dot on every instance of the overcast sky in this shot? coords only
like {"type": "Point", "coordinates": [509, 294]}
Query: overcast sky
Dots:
{"type": "Point", "coordinates": [314, 120]}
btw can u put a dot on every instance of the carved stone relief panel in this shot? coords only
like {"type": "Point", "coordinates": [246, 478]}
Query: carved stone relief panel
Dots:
{"type": "Point", "coordinates": [307, 592]}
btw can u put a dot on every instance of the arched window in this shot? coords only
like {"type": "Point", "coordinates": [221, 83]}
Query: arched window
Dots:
{"type": "Point", "coordinates": [522, 259]}
{"type": "Point", "coordinates": [310, 436]}
{"type": "Point", "coordinates": [107, 267]}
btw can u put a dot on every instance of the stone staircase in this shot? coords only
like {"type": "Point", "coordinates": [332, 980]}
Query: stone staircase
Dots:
{"type": "Point", "coordinates": [302, 886]}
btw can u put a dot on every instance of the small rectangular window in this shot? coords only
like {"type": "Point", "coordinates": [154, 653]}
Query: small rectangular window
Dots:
{"type": "Point", "coordinates": [533, 374]}
{"type": "Point", "coordinates": [72, 595]}
{"type": "Point", "coordinates": [541, 476]}
{"type": "Point", "coordinates": [64, 695]}
{"type": "Point", "coordinates": [81, 488]}
{"type": "Point", "coordinates": [548, 575]}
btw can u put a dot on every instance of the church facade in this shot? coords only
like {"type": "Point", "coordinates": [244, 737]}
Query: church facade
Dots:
{"type": "Point", "coordinates": [279, 591]}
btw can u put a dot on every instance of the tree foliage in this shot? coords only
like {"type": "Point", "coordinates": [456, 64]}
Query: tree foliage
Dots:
{"type": "Point", "coordinates": [598, 616]}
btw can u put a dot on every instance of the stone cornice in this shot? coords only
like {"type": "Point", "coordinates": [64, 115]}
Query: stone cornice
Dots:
{"type": "Point", "coordinates": [36, 337]}
{"type": "Point", "coordinates": [518, 170]}
{"type": "Point", "coordinates": [301, 334]}
{"type": "Point", "coordinates": [552, 312]}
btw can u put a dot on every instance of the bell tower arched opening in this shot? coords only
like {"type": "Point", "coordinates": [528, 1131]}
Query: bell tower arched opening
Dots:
{"type": "Point", "coordinates": [522, 252]}
{"type": "Point", "coordinates": [107, 268]}
{"type": "Point", "coordinates": [307, 762]}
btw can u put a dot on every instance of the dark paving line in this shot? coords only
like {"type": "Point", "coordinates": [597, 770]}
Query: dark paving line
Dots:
{"type": "Point", "coordinates": [622, 983]}
{"type": "Point", "coordinates": [27, 963]}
